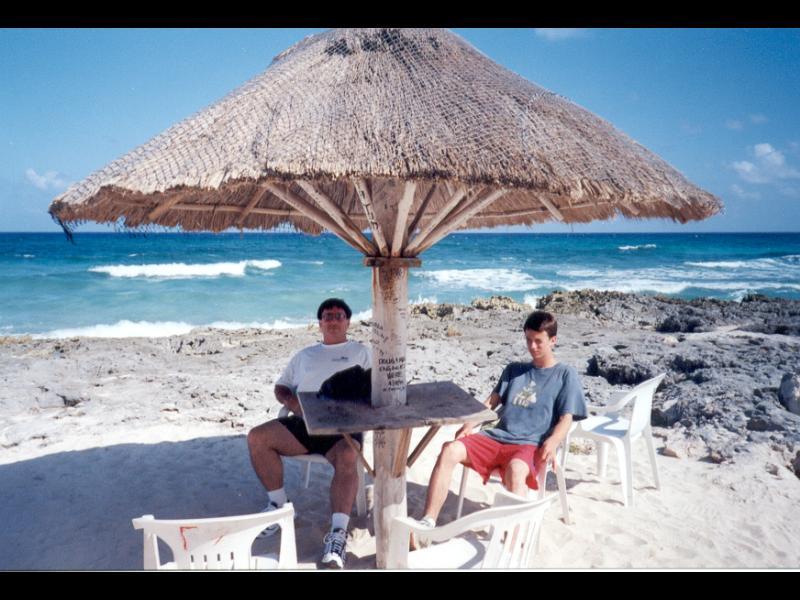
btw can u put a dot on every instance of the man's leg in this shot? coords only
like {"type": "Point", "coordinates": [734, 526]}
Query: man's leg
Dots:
{"type": "Point", "coordinates": [345, 477]}
{"type": "Point", "coordinates": [452, 454]}
{"type": "Point", "coordinates": [343, 492]}
{"type": "Point", "coordinates": [515, 476]}
{"type": "Point", "coordinates": [267, 443]}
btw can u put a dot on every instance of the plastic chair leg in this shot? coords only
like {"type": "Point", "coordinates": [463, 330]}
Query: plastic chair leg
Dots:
{"type": "Point", "coordinates": [651, 449]}
{"type": "Point", "coordinates": [562, 492]}
{"type": "Point", "coordinates": [564, 452]}
{"type": "Point", "coordinates": [602, 458]}
{"type": "Point", "coordinates": [627, 484]}
{"type": "Point", "coordinates": [461, 491]}
{"type": "Point", "coordinates": [361, 495]}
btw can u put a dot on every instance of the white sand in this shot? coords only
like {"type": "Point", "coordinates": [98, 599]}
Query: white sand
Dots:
{"type": "Point", "coordinates": [70, 508]}
{"type": "Point", "coordinates": [71, 478]}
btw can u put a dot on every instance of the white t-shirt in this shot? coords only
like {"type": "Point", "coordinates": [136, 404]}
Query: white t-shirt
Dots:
{"type": "Point", "coordinates": [309, 368]}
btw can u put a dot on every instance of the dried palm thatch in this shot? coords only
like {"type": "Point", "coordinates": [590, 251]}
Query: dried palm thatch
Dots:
{"type": "Point", "coordinates": [348, 126]}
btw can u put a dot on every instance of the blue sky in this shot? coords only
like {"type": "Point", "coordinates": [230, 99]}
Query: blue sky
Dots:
{"type": "Point", "coordinates": [720, 105]}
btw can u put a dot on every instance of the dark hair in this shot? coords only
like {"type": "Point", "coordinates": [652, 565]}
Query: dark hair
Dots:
{"type": "Point", "coordinates": [334, 303]}
{"type": "Point", "coordinates": [542, 321]}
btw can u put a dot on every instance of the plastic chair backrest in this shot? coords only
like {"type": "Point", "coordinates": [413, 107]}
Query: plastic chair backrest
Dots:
{"type": "Point", "coordinates": [513, 538]}
{"type": "Point", "coordinates": [514, 525]}
{"type": "Point", "coordinates": [218, 543]}
{"type": "Point", "coordinates": [643, 404]}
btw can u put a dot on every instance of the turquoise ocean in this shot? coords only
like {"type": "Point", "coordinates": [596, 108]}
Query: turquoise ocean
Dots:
{"type": "Point", "coordinates": [120, 284]}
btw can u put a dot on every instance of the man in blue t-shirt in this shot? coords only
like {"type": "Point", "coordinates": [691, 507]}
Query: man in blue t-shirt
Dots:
{"type": "Point", "coordinates": [539, 400]}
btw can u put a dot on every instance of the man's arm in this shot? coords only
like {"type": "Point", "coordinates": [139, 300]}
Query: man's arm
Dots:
{"type": "Point", "coordinates": [548, 449]}
{"type": "Point", "coordinates": [288, 399]}
{"type": "Point", "coordinates": [491, 402]}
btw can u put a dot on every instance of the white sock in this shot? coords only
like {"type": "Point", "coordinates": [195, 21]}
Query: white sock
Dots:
{"type": "Point", "coordinates": [429, 521]}
{"type": "Point", "coordinates": [278, 496]}
{"type": "Point", "coordinates": [340, 521]}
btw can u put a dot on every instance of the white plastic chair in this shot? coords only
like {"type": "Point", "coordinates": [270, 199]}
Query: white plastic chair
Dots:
{"type": "Point", "coordinates": [309, 459]}
{"type": "Point", "coordinates": [218, 543]}
{"type": "Point", "coordinates": [609, 428]}
{"type": "Point", "coordinates": [514, 527]}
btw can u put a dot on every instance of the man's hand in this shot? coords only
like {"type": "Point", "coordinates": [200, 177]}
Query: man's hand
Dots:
{"type": "Point", "coordinates": [547, 453]}
{"type": "Point", "coordinates": [285, 396]}
{"type": "Point", "coordinates": [293, 404]}
{"type": "Point", "coordinates": [465, 430]}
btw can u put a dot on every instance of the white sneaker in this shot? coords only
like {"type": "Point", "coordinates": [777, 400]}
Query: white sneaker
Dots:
{"type": "Point", "coordinates": [419, 541]}
{"type": "Point", "coordinates": [271, 529]}
{"type": "Point", "coordinates": [335, 549]}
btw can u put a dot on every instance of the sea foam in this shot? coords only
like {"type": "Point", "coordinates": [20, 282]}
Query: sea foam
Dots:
{"type": "Point", "coordinates": [130, 329]}
{"type": "Point", "coordinates": [184, 271]}
{"type": "Point", "coordinates": [639, 247]}
{"type": "Point", "coordinates": [790, 261]}
{"type": "Point", "coordinates": [484, 279]}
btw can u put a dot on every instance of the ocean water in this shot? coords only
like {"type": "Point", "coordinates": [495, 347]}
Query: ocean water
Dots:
{"type": "Point", "coordinates": [119, 284]}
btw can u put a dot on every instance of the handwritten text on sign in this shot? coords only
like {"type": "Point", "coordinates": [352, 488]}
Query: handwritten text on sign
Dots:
{"type": "Point", "coordinates": [392, 373]}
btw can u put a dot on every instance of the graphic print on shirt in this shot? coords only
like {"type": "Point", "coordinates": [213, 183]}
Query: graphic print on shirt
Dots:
{"type": "Point", "coordinates": [526, 396]}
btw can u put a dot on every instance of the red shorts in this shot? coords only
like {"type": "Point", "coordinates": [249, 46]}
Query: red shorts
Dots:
{"type": "Point", "coordinates": [486, 454]}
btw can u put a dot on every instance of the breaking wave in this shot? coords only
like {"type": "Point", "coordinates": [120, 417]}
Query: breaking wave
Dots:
{"type": "Point", "coordinates": [484, 279]}
{"type": "Point", "coordinates": [130, 329]}
{"type": "Point", "coordinates": [186, 271]}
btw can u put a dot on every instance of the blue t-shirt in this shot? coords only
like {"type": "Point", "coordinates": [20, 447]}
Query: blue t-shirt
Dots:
{"type": "Point", "coordinates": [533, 401]}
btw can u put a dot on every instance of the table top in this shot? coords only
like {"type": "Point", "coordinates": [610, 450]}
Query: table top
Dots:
{"type": "Point", "coordinates": [435, 403]}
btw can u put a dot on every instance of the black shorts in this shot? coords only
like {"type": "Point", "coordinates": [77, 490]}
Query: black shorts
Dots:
{"type": "Point", "coordinates": [315, 444]}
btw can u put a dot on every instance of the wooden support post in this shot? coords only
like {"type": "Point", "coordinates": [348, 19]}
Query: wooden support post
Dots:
{"type": "Point", "coordinates": [316, 215]}
{"type": "Point", "coordinates": [359, 453]}
{"type": "Point", "coordinates": [552, 208]}
{"type": "Point", "coordinates": [366, 202]}
{"type": "Point", "coordinates": [402, 453]}
{"type": "Point", "coordinates": [420, 212]}
{"type": "Point", "coordinates": [389, 336]}
{"type": "Point", "coordinates": [251, 205]}
{"type": "Point", "coordinates": [423, 443]}
{"type": "Point", "coordinates": [459, 219]}
{"type": "Point", "coordinates": [337, 214]}
{"type": "Point", "coordinates": [162, 208]}
{"type": "Point", "coordinates": [399, 237]}
{"type": "Point", "coordinates": [443, 214]}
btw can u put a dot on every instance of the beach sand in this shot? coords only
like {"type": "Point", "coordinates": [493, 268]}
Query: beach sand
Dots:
{"type": "Point", "coordinates": [95, 432]}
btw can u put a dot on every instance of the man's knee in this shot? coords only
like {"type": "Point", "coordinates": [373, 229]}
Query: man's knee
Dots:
{"type": "Point", "coordinates": [343, 457]}
{"type": "Point", "coordinates": [259, 437]}
{"type": "Point", "coordinates": [517, 471]}
{"type": "Point", "coordinates": [453, 452]}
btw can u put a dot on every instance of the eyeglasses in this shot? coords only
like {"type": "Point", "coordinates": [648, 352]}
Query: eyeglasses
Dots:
{"type": "Point", "coordinates": [339, 316]}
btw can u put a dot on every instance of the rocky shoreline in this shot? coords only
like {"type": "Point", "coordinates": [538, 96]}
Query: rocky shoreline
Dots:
{"type": "Point", "coordinates": [732, 370]}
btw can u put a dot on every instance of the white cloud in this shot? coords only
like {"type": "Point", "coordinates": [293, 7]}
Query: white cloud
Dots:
{"type": "Point", "coordinates": [691, 128]}
{"type": "Point", "coordinates": [52, 180]}
{"type": "Point", "coordinates": [768, 166]}
{"type": "Point", "coordinates": [739, 124]}
{"type": "Point", "coordinates": [556, 35]}
{"type": "Point", "coordinates": [749, 172]}
{"type": "Point", "coordinates": [742, 193]}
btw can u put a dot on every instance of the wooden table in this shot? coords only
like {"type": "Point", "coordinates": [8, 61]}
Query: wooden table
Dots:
{"type": "Point", "coordinates": [428, 404]}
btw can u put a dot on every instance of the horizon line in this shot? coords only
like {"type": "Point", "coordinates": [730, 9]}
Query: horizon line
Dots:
{"type": "Point", "coordinates": [476, 232]}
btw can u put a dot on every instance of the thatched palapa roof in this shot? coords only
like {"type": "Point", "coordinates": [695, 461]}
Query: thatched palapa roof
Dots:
{"type": "Point", "coordinates": [349, 124]}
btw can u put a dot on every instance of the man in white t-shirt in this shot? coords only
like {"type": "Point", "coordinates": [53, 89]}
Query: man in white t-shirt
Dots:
{"type": "Point", "coordinates": [287, 436]}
